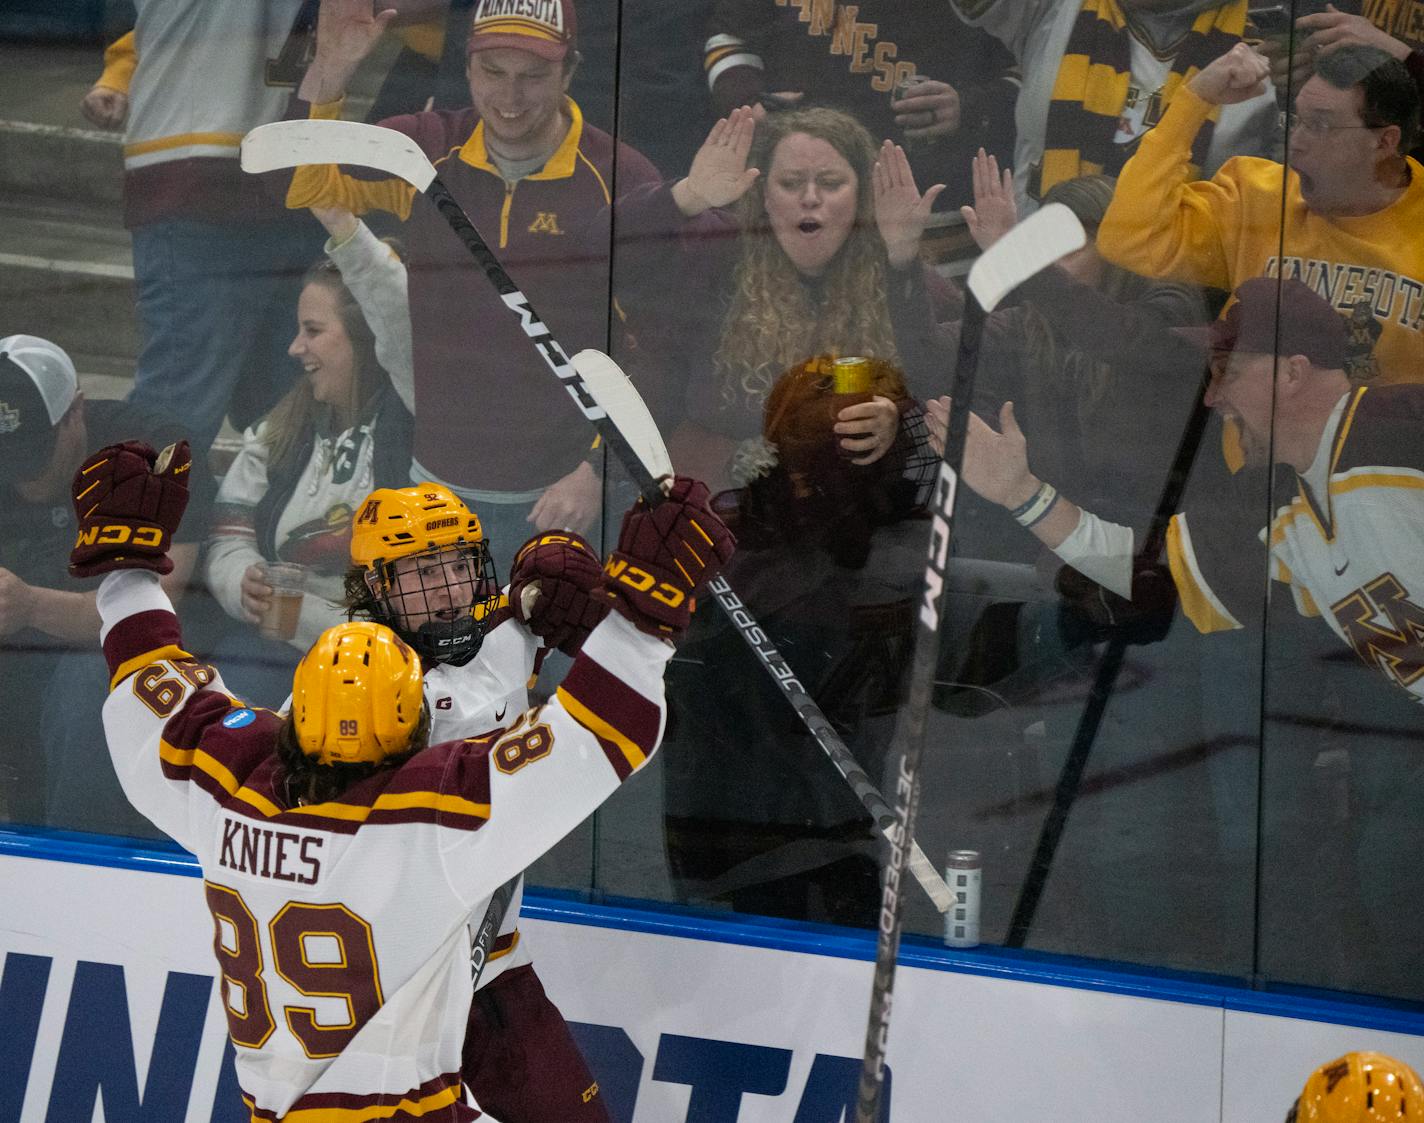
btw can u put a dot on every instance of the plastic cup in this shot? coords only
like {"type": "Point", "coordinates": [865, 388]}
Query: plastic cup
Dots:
{"type": "Point", "coordinates": [288, 582]}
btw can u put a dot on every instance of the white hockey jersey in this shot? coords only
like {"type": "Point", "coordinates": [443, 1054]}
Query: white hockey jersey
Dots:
{"type": "Point", "coordinates": [340, 928]}
{"type": "Point", "coordinates": [484, 696]}
{"type": "Point", "coordinates": [1348, 539]}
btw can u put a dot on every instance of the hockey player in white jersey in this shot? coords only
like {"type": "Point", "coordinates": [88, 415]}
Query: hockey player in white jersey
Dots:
{"type": "Point", "coordinates": [343, 854]}
{"type": "Point", "coordinates": [421, 566]}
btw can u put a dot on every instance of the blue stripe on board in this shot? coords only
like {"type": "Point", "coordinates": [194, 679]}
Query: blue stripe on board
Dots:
{"type": "Point", "coordinates": [657, 918]}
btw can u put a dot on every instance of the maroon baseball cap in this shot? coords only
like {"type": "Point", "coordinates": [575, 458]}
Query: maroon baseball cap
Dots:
{"type": "Point", "coordinates": [1271, 316]}
{"type": "Point", "coordinates": [546, 28]}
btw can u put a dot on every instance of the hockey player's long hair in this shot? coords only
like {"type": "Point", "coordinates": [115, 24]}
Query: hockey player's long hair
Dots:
{"type": "Point", "coordinates": [776, 320]}
{"type": "Point", "coordinates": [294, 420]}
{"type": "Point", "coordinates": [360, 603]}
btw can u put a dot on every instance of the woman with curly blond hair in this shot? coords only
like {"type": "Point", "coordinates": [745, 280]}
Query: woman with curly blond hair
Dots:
{"type": "Point", "coordinates": [808, 238]}
{"type": "Point", "coordinates": [797, 245]}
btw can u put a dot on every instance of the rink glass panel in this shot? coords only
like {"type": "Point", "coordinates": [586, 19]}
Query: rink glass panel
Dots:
{"type": "Point", "coordinates": [1246, 807]}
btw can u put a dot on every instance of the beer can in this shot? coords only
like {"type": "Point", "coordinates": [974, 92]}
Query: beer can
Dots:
{"type": "Point", "coordinates": [906, 86]}
{"type": "Point", "coordinates": [964, 873]}
{"type": "Point", "coordinates": [850, 375]}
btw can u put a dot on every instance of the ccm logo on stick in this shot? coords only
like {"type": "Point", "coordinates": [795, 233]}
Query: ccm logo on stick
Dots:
{"type": "Point", "coordinates": [118, 535]}
{"type": "Point", "coordinates": [943, 506]}
{"type": "Point", "coordinates": [645, 582]}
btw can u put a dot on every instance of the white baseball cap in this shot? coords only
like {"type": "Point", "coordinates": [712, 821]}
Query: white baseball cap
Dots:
{"type": "Point", "coordinates": [48, 367]}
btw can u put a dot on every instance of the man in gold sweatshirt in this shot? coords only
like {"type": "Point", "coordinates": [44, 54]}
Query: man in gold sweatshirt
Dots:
{"type": "Point", "coordinates": [1342, 215]}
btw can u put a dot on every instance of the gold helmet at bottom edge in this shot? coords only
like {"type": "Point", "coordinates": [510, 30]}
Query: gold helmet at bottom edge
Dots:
{"type": "Point", "coordinates": [1360, 1088]}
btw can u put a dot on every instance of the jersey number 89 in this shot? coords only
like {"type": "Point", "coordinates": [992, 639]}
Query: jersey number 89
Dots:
{"type": "Point", "coordinates": [322, 951]}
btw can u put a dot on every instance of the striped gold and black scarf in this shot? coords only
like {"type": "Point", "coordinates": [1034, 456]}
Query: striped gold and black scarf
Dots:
{"type": "Point", "coordinates": [1091, 88]}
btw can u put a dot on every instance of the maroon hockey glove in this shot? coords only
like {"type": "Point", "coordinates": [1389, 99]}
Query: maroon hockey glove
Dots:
{"type": "Point", "coordinates": [550, 589]}
{"type": "Point", "coordinates": [129, 501]}
{"type": "Point", "coordinates": [665, 554]}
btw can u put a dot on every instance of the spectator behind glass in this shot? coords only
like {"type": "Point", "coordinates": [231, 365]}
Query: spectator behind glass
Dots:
{"type": "Point", "coordinates": [639, 46]}
{"type": "Point", "coordinates": [54, 683]}
{"type": "Point", "coordinates": [1392, 27]}
{"type": "Point", "coordinates": [1346, 537]}
{"type": "Point", "coordinates": [216, 260]}
{"type": "Point", "coordinates": [1079, 389]}
{"type": "Point", "coordinates": [534, 177]}
{"type": "Point", "coordinates": [1349, 195]}
{"type": "Point", "coordinates": [1098, 75]}
{"type": "Point", "coordinates": [341, 431]}
{"type": "Point", "coordinates": [902, 70]}
{"type": "Point", "coordinates": [818, 260]}
{"type": "Point", "coordinates": [1105, 411]}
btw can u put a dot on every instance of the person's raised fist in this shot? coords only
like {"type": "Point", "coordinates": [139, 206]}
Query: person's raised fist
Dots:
{"type": "Point", "coordinates": [128, 501]}
{"type": "Point", "coordinates": [1239, 75]}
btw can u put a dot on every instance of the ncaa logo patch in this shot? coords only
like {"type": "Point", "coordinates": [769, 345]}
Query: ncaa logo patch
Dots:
{"type": "Point", "coordinates": [238, 718]}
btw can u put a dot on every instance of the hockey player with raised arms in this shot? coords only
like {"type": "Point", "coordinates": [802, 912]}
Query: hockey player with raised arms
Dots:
{"type": "Point", "coordinates": [421, 566]}
{"type": "Point", "coordinates": [343, 854]}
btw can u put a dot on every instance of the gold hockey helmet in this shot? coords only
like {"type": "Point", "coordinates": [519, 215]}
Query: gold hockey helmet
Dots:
{"type": "Point", "coordinates": [1360, 1088]}
{"type": "Point", "coordinates": [397, 522]}
{"type": "Point", "coordinates": [440, 606]}
{"type": "Point", "coordinates": [357, 695]}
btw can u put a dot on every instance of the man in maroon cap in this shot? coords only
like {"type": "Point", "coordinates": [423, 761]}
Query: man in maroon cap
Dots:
{"type": "Point", "coordinates": [536, 180]}
{"type": "Point", "coordinates": [1347, 535]}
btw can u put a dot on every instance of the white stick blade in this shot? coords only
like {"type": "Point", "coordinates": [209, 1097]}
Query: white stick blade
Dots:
{"type": "Point", "coordinates": [292, 144]}
{"type": "Point", "coordinates": [1034, 244]}
{"type": "Point", "coordinates": [615, 392]}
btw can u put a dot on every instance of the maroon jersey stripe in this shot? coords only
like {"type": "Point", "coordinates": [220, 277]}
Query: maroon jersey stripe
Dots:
{"type": "Point", "coordinates": [615, 702]}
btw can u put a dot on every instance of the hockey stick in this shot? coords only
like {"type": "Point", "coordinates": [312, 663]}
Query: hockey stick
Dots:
{"type": "Point", "coordinates": [482, 938]}
{"type": "Point", "coordinates": [286, 144]}
{"type": "Point", "coordinates": [1032, 245]}
{"type": "Point", "coordinates": [1085, 734]}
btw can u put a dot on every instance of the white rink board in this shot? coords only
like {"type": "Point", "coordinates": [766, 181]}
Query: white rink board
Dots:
{"type": "Point", "coordinates": [1260, 1043]}
{"type": "Point", "coordinates": [963, 1047]}
{"type": "Point", "coordinates": [993, 1049]}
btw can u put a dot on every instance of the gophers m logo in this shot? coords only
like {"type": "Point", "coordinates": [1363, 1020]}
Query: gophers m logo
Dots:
{"type": "Point", "coordinates": [9, 418]}
{"type": "Point", "coordinates": [1386, 629]}
{"type": "Point", "coordinates": [545, 222]}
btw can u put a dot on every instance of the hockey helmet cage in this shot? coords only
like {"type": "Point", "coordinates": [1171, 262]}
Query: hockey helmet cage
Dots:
{"type": "Point", "coordinates": [1360, 1088]}
{"type": "Point", "coordinates": [427, 519]}
{"type": "Point", "coordinates": [357, 695]}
